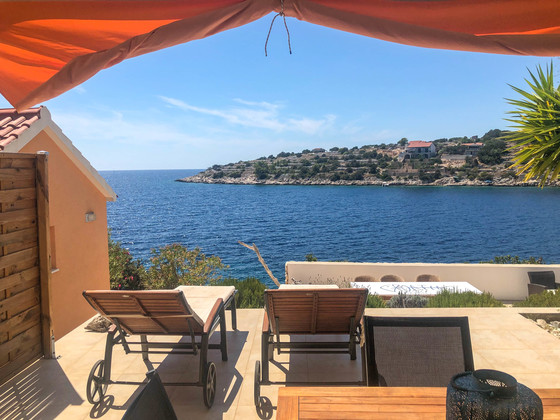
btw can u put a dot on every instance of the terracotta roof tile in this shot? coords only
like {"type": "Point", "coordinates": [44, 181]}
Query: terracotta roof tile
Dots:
{"type": "Point", "coordinates": [13, 123]}
{"type": "Point", "coordinates": [419, 144]}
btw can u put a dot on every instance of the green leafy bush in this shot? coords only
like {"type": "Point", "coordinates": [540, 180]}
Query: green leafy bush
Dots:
{"type": "Point", "coordinates": [544, 299]}
{"type": "Point", "coordinates": [125, 272]}
{"type": "Point", "coordinates": [450, 299]}
{"type": "Point", "coordinates": [375, 301]}
{"type": "Point", "coordinates": [250, 292]}
{"type": "Point", "coordinates": [492, 151]}
{"type": "Point", "coordinates": [514, 259]}
{"type": "Point", "coordinates": [402, 300]}
{"type": "Point", "coordinates": [174, 265]}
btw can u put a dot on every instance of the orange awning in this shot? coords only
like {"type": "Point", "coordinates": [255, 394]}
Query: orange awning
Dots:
{"type": "Point", "coordinates": [48, 47]}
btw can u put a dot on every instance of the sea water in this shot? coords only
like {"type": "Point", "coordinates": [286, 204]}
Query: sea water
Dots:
{"type": "Point", "coordinates": [334, 223]}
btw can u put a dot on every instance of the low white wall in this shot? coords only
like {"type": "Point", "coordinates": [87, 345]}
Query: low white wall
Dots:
{"type": "Point", "coordinates": [504, 281]}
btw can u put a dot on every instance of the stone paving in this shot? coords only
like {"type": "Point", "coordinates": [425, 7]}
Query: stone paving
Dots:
{"type": "Point", "coordinates": [502, 339]}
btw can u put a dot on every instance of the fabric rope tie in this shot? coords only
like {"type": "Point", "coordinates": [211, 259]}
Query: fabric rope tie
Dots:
{"type": "Point", "coordinates": [285, 25]}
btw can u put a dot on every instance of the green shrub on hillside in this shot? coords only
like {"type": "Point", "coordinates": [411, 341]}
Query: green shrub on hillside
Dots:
{"type": "Point", "coordinates": [541, 300]}
{"type": "Point", "coordinates": [449, 299]}
{"type": "Point", "coordinates": [492, 152]}
{"type": "Point", "coordinates": [375, 301]}
{"type": "Point", "coordinates": [250, 292]}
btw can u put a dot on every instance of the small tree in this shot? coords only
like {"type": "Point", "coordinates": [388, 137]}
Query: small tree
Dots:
{"type": "Point", "coordinates": [174, 265]}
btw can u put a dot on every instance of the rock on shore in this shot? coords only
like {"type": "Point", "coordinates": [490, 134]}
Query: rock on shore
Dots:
{"type": "Point", "coordinates": [205, 178]}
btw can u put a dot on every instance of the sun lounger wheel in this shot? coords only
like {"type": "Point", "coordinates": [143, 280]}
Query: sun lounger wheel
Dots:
{"type": "Point", "coordinates": [209, 387]}
{"type": "Point", "coordinates": [257, 386]}
{"type": "Point", "coordinates": [96, 389]}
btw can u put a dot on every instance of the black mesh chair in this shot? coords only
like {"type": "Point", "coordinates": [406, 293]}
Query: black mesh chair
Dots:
{"type": "Point", "coordinates": [416, 351]}
{"type": "Point", "coordinates": [539, 281]}
{"type": "Point", "coordinates": [152, 403]}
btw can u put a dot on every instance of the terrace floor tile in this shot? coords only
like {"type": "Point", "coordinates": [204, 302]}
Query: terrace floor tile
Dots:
{"type": "Point", "coordinates": [502, 339]}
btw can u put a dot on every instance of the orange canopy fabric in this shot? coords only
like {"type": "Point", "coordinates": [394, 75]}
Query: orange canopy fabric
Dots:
{"type": "Point", "coordinates": [48, 47]}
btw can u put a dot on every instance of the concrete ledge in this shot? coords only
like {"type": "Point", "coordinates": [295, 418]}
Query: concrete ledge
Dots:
{"type": "Point", "coordinates": [506, 282]}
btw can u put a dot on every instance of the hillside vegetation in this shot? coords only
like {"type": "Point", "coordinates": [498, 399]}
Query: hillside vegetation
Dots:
{"type": "Point", "coordinates": [381, 164]}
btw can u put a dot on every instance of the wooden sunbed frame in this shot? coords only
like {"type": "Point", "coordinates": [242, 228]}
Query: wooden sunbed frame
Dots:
{"type": "Point", "coordinates": [161, 312]}
{"type": "Point", "coordinates": [310, 312]}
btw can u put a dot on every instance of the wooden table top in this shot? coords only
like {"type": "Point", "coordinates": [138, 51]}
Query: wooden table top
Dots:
{"type": "Point", "coordinates": [386, 403]}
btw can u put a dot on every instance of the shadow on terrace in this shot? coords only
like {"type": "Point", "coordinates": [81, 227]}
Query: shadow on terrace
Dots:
{"type": "Point", "coordinates": [502, 339]}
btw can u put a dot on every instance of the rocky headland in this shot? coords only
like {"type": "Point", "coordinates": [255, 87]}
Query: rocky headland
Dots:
{"type": "Point", "coordinates": [448, 162]}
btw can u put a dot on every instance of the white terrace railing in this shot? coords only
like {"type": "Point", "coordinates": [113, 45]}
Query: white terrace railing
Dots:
{"type": "Point", "coordinates": [507, 282]}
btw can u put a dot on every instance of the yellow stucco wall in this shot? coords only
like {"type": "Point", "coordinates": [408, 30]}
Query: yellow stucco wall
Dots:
{"type": "Point", "coordinates": [80, 248]}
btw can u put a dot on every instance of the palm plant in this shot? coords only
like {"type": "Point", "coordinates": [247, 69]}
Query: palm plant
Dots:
{"type": "Point", "coordinates": [536, 135]}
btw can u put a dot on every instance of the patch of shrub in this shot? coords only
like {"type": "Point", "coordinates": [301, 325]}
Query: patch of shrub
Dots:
{"type": "Point", "coordinates": [125, 272]}
{"type": "Point", "coordinates": [485, 176]}
{"type": "Point", "coordinates": [541, 300]}
{"type": "Point", "coordinates": [450, 299]}
{"type": "Point", "coordinates": [514, 259]}
{"type": "Point", "coordinates": [375, 301]}
{"type": "Point", "coordinates": [402, 300]}
{"type": "Point", "coordinates": [250, 292]}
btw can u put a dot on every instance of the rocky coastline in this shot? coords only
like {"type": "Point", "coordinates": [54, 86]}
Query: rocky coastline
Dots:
{"type": "Point", "coordinates": [204, 178]}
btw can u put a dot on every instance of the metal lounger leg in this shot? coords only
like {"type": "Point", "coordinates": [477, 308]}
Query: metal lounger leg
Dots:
{"type": "Point", "coordinates": [223, 336]}
{"type": "Point", "coordinates": [203, 358]}
{"type": "Point", "coordinates": [233, 309]}
{"type": "Point", "coordinates": [265, 352]}
{"type": "Point", "coordinates": [364, 365]}
{"type": "Point", "coordinates": [352, 341]}
{"type": "Point", "coordinates": [109, 353]}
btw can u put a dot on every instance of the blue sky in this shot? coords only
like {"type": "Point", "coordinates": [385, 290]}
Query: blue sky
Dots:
{"type": "Point", "coordinates": [220, 100]}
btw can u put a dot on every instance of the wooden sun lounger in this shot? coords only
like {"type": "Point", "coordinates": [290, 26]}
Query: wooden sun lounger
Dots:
{"type": "Point", "coordinates": [161, 312]}
{"type": "Point", "coordinates": [310, 311]}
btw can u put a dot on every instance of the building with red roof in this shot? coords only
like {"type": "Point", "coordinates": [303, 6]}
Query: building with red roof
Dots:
{"type": "Point", "coordinates": [419, 149]}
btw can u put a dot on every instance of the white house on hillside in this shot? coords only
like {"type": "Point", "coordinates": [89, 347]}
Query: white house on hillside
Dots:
{"type": "Point", "coordinates": [419, 149]}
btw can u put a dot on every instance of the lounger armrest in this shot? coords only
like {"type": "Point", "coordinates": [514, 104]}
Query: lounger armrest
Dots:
{"type": "Point", "coordinates": [215, 312]}
{"type": "Point", "coordinates": [266, 324]}
{"type": "Point", "coordinates": [535, 288]}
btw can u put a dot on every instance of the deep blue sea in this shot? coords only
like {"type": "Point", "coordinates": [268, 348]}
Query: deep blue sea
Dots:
{"type": "Point", "coordinates": [363, 224]}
